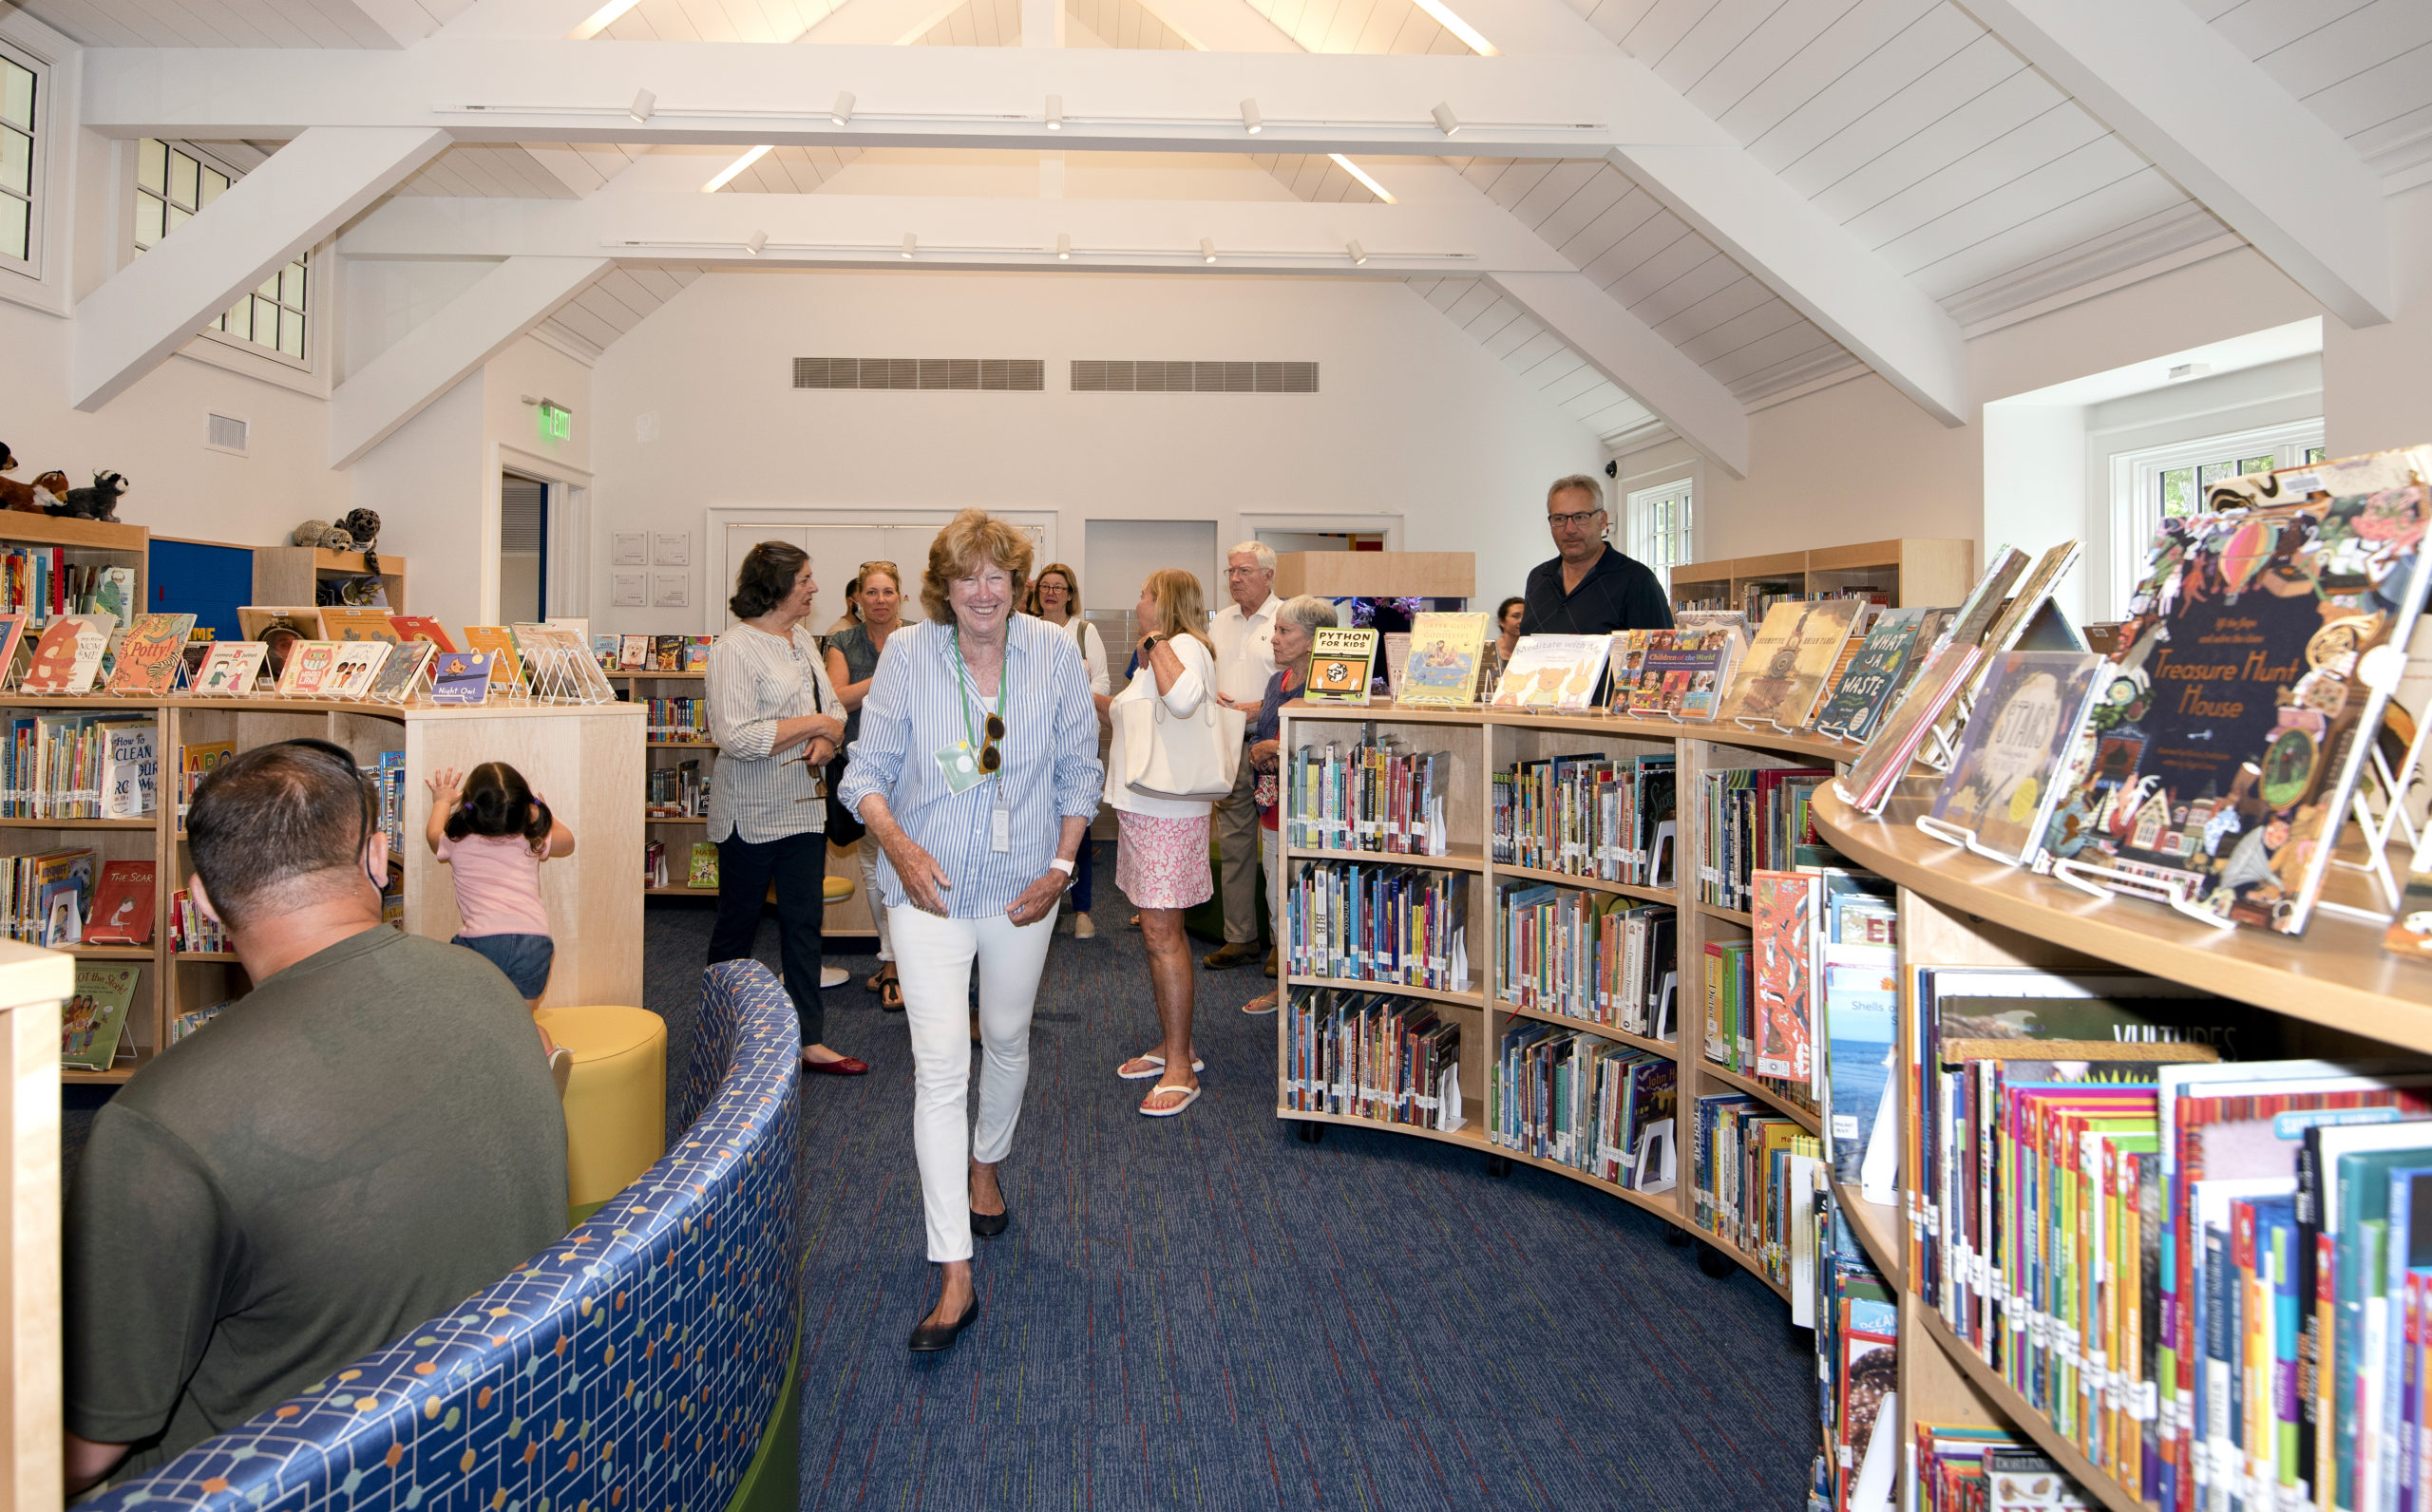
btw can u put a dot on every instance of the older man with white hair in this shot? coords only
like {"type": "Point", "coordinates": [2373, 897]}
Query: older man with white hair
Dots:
{"type": "Point", "coordinates": [1243, 631]}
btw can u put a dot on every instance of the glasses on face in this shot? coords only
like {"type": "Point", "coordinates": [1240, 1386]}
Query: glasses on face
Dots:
{"type": "Point", "coordinates": [1576, 517]}
{"type": "Point", "coordinates": [990, 758]}
{"type": "Point", "coordinates": [1242, 572]}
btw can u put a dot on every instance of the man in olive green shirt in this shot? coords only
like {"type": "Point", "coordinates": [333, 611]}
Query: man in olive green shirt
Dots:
{"type": "Point", "coordinates": [366, 1139]}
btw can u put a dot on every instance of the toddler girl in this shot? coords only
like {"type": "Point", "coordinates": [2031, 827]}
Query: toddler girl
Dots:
{"type": "Point", "coordinates": [494, 832]}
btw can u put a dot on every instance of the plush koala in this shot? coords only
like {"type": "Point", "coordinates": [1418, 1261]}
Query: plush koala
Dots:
{"type": "Point", "coordinates": [97, 502]}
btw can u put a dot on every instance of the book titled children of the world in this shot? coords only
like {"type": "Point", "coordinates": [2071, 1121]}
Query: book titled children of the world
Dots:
{"type": "Point", "coordinates": [1445, 654]}
{"type": "Point", "coordinates": [1341, 664]}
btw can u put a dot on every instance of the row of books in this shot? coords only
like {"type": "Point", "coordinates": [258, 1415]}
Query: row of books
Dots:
{"type": "Point", "coordinates": [1592, 1103]}
{"type": "Point", "coordinates": [1837, 1291]}
{"type": "Point", "coordinates": [684, 721]}
{"type": "Point", "coordinates": [1608, 818]}
{"type": "Point", "coordinates": [62, 764]}
{"type": "Point", "coordinates": [653, 654]}
{"type": "Point", "coordinates": [45, 899]}
{"type": "Point", "coordinates": [191, 929]}
{"type": "Point", "coordinates": [701, 869]}
{"type": "Point", "coordinates": [1371, 797]}
{"type": "Point", "coordinates": [1755, 819]}
{"type": "Point", "coordinates": [1594, 956]}
{"type": "Point", "coordinates": [1823, 995]}
{"type": "Point", "coordinates": [39, 582]}
{"type": "Point", "coordinates": [1743, 1155]}
{"type": "Point", "coordinates": [1968, 1467]}
{"type": "Point", "coordinates": [1367, 1055]}
{"type": "Point", "coordinates": [1377, 924]}
{"type": "Point", "coordinates": [681, 791]}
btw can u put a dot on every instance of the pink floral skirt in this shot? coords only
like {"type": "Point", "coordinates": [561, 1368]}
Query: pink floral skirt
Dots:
{"type": "Point", "coordinates": [1162, 863]}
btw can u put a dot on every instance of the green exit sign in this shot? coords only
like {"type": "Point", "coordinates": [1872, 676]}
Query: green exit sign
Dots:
{"type": "Point", "coordinates": [557, 421]}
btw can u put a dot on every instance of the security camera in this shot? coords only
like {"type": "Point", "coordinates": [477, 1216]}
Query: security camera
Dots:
{"type": "Point", "coordinates": [1613, 469]}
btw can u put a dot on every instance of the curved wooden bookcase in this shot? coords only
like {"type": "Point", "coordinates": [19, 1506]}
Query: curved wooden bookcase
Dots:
{"type": "Point", "coordinates": [1484, 741]}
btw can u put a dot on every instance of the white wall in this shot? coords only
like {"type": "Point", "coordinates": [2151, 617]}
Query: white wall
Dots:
{"type": "Point", "coordinates": [1414, 418]}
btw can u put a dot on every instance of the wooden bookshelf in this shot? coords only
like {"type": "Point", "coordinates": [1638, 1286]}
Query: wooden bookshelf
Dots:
{"type": "Point", "coordinates": [1480, 743]}
{"type": "Point", "coordinates": [83, 543]}
{"type": "Point", "coordinates": [1915, 573]}
{"type": "Point", "coordinates": [293, 575]}
{"type": "Point", "coordinates": [587, 758]}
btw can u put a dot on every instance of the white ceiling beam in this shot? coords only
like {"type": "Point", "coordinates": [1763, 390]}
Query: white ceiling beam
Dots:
{"type": "Point", "coordinates": [1221, 26]}
{"type": "Point", "coordinates": [742, 93]}
{"type": "Point", "coordinates": [1042, 22]}
{"type": "Point", "coordinates": [471, 328]}
{"type": "Point", "coordinates": [391, 23]}
{"type": "Point", "coordinates": [879, 23]}
{"type": "Point", "coordinates": [305, 191]}
{"type": "Point", "coordinates": [529, 19]}
{"type": "Point", "coordinates": [2187, 97]}
{"type": "Point", "coordinates": [1709, 180]}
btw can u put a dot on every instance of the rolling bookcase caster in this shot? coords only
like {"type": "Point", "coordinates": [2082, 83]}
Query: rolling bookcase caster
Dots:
{"type": "Point", "coordinates": [1711, 1261]}
{"type": "Point", "coordinates": [1498, 1165]}
{"type": "Point", "coordinates": [1311, 1132]}
{"type": "Point", "coordinates": [1677, 1239]}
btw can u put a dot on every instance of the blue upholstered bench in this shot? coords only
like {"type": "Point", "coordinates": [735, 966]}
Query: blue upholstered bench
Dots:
{"type": "Point", "coordinates": [646, 1361]}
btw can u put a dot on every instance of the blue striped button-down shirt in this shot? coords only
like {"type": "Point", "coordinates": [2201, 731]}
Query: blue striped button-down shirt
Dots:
{"type": "Point", "coordinates": [917, 707]}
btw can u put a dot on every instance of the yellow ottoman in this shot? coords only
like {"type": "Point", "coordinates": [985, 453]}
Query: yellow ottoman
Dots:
{"type": "Point", "coordinates": [837, 889]}
{"type": "Point", "coordinates": [617, 1101]}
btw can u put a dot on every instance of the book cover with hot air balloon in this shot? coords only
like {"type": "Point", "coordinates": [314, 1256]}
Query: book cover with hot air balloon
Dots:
{"type": "Point", "coordinates": [2233, 723]}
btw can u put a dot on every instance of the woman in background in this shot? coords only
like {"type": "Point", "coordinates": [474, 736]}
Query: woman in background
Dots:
{"type": "Point", "coordinates": [1507, 632]}
{"type": "Point", "coordinates": [1161, 856]}
{"type": "Point", "coordinates": [853, 648]}
{"type": "Point", "coordinates": [1296, 630]}
{"type": "Point", "coordinates": [1056, 598]}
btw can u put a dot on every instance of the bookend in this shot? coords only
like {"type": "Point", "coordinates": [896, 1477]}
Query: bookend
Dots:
{"type": "Point", "coordinates": [21, 661]}
{"type": "Point", "coordinates": [1959, 834]}
{"type": "Point", "coordinates": [2090, 879]}
{"type": "Point", "coordinates": [1774, 725]}
{"type": "Point", "coordinates": [2380, 801]}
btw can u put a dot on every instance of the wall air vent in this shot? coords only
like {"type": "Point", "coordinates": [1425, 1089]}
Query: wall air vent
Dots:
{"type": "Point", "coordinates": [1109, 376]}
{"type": "Point", "coordinates": [983, 373]}
{"type": "Point", "coordinates": [227, 433]}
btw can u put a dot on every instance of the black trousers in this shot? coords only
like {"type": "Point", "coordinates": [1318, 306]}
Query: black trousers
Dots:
{"type": "Point", "coordinates": [798, 864]}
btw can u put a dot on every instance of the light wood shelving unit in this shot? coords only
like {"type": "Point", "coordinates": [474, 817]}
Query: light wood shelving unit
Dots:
{"type": "Point", "coordinates": [1915, 573]}
{"type": "Point", "coordinates": [291, 574]}
{"type": "Point", "coordinates": [83, 544]}
{"type": "Point", "coordinates": [586, 758]}
{"type": "Point", "coordinates": [1483, 741]}
{"type": "Point", "coordinates": [1376, 575]}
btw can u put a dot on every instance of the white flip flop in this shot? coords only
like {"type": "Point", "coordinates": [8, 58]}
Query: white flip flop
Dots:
{"type": "Point", "coordinates": [1158, 1065]}
{"type": "Point", "coordinates": [1146, 1111]}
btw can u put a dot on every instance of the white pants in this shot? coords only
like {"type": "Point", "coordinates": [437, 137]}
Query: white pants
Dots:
{"type": "Point", "coordinates": [869, 849]}
{"type": "Point", "coordinates": [935, 965]}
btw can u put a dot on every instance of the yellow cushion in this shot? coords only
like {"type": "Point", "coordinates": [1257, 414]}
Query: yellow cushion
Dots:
{"type": "Point", "coordinates": [838, 889]}
{"type": "Point", "coordinates": [617, 1100]}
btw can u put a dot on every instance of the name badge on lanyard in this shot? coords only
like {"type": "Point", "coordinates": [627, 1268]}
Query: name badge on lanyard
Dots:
{"type": "Point", "coordinates": [1001, 822]}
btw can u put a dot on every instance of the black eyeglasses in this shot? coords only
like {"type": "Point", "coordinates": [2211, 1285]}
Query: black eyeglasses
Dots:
{"type": "Point", "coordinates": [990, 758]}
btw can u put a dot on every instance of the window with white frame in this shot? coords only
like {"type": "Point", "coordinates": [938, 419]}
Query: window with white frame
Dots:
{"type": "Point", "coordinates": [1658, 526]}
{"type": "Point", "coordinates": [2158, 482]}
{"type": "Point", "coordinates": [172, 180]}
{"type": "Point", "coordinates": [20, 165]}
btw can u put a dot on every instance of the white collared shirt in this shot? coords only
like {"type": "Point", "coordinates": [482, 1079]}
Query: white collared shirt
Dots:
{"type": "Point", "coordinates": [1244, 649]}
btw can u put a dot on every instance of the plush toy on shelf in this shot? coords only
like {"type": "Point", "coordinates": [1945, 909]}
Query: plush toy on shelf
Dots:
{"type": "Point", "coordinates": [30, 497]}
{"type": "Point", "coordinates": [364, 526]}
{"type": "Point", "coordinates": [322, 534]}
{"type": "Point", "coordinates": [97, 502]}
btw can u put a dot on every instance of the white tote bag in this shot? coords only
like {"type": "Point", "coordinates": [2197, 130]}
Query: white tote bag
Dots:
{"type": "Point", "coordinates": [1168, 756]}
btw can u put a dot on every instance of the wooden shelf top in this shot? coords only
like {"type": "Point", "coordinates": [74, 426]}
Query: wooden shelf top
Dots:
{"type": "Point", "coordinates": [1593, 885]}
{"type": "Point", "coordinates": [1877, 1227]}
{"type": "Point", "coordinates": [649, 818]}
{"type": "Point", "coordinates": [146, 822]}
{"type": "Point", "coordinates": [1588, 1025]}
{"type": "Point", "coordinates": [2336, 973]}
{"type": "Point", "coordinates": [1731, 915]}
{"type": "Point", "coordinates": [1353, 983]}
{"type": "Point", "coordinates": [1462, 858]}
{"type": "Point", "coordinates": [1822, 750]}
{"type": "Point", "coordinates": [2027, 1419]}
{"type": "Point", "coordinates": [1763, 1091]}
{"type": "Point", "coordinates": [681, 744]}
{"type": "Point", "coordinates": [17, 525]}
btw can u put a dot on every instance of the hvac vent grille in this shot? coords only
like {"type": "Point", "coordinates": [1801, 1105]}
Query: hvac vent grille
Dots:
{"type": "Point", "coordinates": [990, 373]}
{"type": "Point", "coordinates": [1095, 376]}
{"type": "Point", "coordinates": [227, 434]}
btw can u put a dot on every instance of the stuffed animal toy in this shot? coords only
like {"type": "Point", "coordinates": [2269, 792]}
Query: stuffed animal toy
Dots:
{"type": "Point", "coordinates": [365, 527]}
{"type": "Point", "coordinates": [97, 502]}
{"type": "Point", "coordinates": [33, 497]}
{"type": "Point", "coordinates": [8, 458]}
{"type": "Point", "coordinates": [322, 534]}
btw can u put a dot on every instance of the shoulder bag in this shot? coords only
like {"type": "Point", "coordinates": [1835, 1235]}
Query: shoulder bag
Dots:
{"type": "Point", "coordinates": [1167, 756]}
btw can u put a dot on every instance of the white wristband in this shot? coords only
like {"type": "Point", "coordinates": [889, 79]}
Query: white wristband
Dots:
{"type": "Point", "coordinates": [1060, 865]}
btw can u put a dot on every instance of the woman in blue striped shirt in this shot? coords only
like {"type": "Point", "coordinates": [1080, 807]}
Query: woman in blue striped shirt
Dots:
{"type": "Point", "coordinates": [976, 770]}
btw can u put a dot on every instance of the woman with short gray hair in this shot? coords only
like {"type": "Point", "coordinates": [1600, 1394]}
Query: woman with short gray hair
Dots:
{"type": "Point", "coordinates": [1297, 623]}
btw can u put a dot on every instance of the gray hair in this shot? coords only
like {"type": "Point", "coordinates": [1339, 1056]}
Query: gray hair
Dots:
{"type": "Point", "coordinates": [1595, 490]}
{"type": "Point", "coordinates": [1309, 612]}
{"type": "Point", "coordinates": [1257, 550]}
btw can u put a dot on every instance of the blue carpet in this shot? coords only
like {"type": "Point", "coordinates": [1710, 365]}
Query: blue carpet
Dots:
{"type": "Point", "coordinates": [1202, 1312]}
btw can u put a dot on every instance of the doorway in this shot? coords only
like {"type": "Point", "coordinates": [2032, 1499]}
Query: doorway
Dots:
{"type": "Point", "coordinates": [522, 549]}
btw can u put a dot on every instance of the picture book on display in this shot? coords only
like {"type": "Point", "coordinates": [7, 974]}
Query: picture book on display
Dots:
{"type": "Point", "coordinates": [704, 870]}
{"type": "Point", "coordinates": [357, 663]}
{"type": "Point", "coordinates": [68, 656]}
{"type": "Point", "coordinates": [343, 622]}
{"type": "Point", "coordinates": [2233, 726]}
{"type": "Point", "coordinates": [122, 905]}
{"type": "Point", "coordinates": [461, 677]}
{"type": "Point", "coordinates": [309, 666]}
{"type": "Point", "coordinates": [421, 627]}
{"type": "Point", "coordinates": [1945, 670]}
{"type": "Point", "coordinates": [231, 668]}
{"type": "Point", "coordinates": [1676, 674]}
{"type": "Point", "coordinates": [94, 1019]}
{"type": "Point", "coordinates": [1795, 650]}
{"type": "Point", "coordinates": [2007, 775]}
{"type": "Point", "coordinates": [506, 668]}
{"type": "Point", "coordinates": [151, 655]}
{"type": "Point", "coordinates": [16, 652]}
{"type": "Point", "coordinates": [1447, 653]}
{"type": "Point", "coordinates": [1553, 672]}
{"type": "Point", "coordinates": [1874, 676]}
{"type": "Point", "coordinates": [401, 674]}
{"type": "Point", "coordinates": [1341, 663]}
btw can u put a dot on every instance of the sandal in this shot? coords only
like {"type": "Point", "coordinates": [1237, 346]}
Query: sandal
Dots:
{"type": "Point", "coordinates": [1263, 1003]}
{"type": "Point", "coordinates": [1156, 1066]}
{"type": "Point", "coordinates": [890, 992]}
{"type": "Point", "coordinates": [1190, 1095]}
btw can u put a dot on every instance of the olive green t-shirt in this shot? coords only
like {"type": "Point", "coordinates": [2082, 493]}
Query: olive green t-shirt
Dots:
{"type": "Point", "coordinates": [358, 1145]}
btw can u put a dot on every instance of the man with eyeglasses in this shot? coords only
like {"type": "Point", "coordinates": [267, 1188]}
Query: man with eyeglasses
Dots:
{"type": "Point", "coordinates": [1590, 587]}
{"type": "Point", "coordinates": [1244, 633]}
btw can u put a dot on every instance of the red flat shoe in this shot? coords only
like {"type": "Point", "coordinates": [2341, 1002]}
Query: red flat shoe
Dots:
{"type": "Point", "coordinates": [844, 1066]}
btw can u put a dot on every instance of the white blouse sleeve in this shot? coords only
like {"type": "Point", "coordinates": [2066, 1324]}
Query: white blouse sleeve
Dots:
{"type": "Point", "coordinates": [1095, 655]}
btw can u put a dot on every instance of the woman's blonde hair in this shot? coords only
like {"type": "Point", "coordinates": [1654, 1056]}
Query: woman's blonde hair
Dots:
{"type": "Point", "coordinates": [1182, 608]}
{"type": "Point", "coordinates": [1071, 589]}
{"type": "Point", "coordinates": [970, 539]}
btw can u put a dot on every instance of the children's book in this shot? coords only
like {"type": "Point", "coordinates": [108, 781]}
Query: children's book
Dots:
{"type": "Point", "coordinates": [231, 668]}
{"type": "Point", "coordinates": [1554, 671]}
{"type": "Point", "coordinates": [280, 629]}
{"type": "Point", "coordinates": [150, 655]}
{"type": "Point", "coordinates": [1445, 654]}
{"type": "Point", "coordinates": [498, 642]}
{"type": "Point", "coordinates": [196, 760]}
{"type": "Point", "coordinates": [1341, 665]}
{"type": "Point", "coordinates": [421, 627]}
{"type": "Point", "coordinates": [632, 653]}
{"type": "Point", "coordinates": [93, 1020]}
{"type": "Point", "coordinates": [2004, 782]}
{"type": "Point", "coordinates": [345, 622]}
{"type": "Point", "coordinates": [13, 648]}
{"type": "Point", "coordinates": [122, 905]}
{"type": "Point", "coordinates": [127, 773]}
{"type": "Point", "coordinates": [696, 652]}
{"type": "Point", "coordinates": [307, 674]}
{"type": "Point", "coordinates": [67, 658]}
{"type": "Point", "coordinates": [402, 674]}
{"type": "Point", "coordinates": [1795, 650]}
{"type": "Point", "coordinates": [358, 662]}
{"type": "Point", "coordinates": [1680, 674]}
{"type": "Point", "coordinates": [2235, 717]}
{"type": "Point", "coordinates": [114, 596]}
{"type": "Point", "coordinates": [1880, 671]}
{"type": "Point", "coordinates": [461, 677]}
{"type": "Point", "coordinates": [705, 865]}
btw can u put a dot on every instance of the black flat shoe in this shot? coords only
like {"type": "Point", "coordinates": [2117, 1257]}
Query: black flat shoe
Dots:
{"type": "Point", "coordinates": [988, 1225]}
{"type": "Point", "coordinates": [927, 1338]}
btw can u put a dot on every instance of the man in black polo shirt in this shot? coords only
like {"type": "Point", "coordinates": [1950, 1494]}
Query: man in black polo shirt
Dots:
{"type": "Point", "coordinates": [1589, 588]}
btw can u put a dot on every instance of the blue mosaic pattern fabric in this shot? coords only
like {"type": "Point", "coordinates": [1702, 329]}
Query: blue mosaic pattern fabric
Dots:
{"type": "Point", "coordinates": [628, 1368]}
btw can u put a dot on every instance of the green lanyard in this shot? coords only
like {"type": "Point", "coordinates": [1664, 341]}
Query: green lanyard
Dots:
{"type": "Point", "coordinates": [962, 689]}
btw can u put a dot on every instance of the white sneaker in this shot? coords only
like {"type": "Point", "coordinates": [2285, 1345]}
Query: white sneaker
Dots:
{"type": "Point", "coordinates": [832, 977]}
{"type": "Point", "coordinates": [1082, 928]}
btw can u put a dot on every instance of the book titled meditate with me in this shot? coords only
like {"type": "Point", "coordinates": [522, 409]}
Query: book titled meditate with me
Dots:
{"type": "Point", "coordinates": [1447, 652]}
{"type": "Point", "coordinates": [1340, 662]}
{"type": "Point", "coordinates": [2005, 779]}
{"type": "Point", "coordinates": [1553, 672]}
{"type": "Point", "coordinates": [1795, 650]}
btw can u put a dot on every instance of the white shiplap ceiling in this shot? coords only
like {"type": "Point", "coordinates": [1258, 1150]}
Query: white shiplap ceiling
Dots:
{"type": "Point", "coordinates": [1539, 358]}
{"type": "Point", "coordinates": [620, 300]}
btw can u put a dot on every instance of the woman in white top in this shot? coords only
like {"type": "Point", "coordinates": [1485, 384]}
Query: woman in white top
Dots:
{"type": "Point", "coordinates": [1056, 598]}
{"type": "Point", "coordinates": [1161, 858]}
{"type": "Point", "coordinates": [853, 650]}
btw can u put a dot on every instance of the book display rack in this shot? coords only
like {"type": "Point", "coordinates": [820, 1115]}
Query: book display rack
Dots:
{"type": "Point", "coordinates": [586, 758]}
